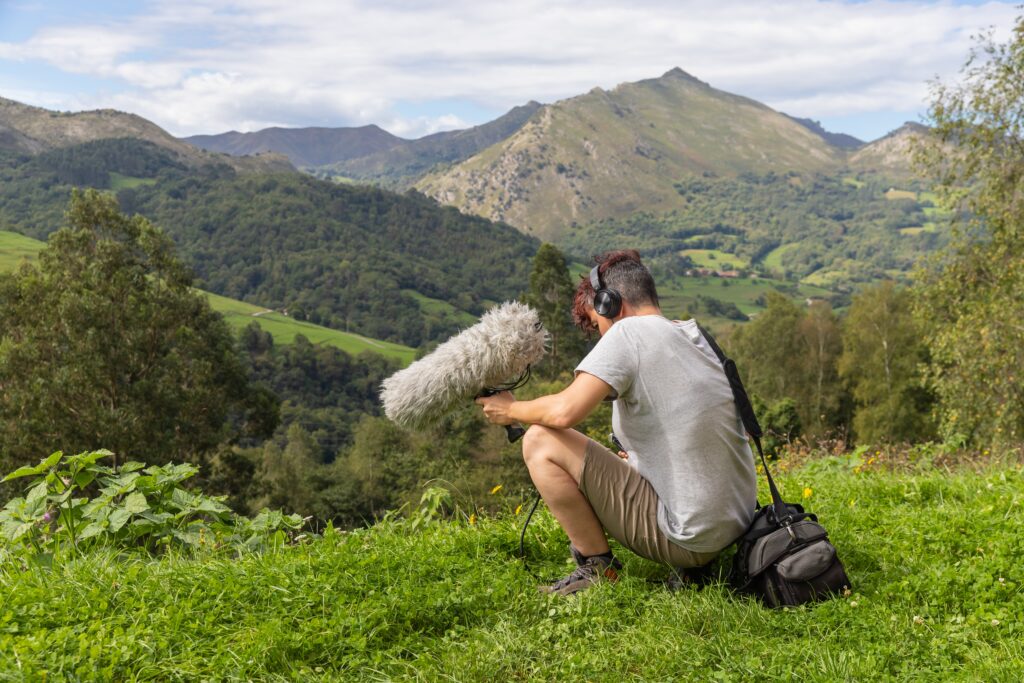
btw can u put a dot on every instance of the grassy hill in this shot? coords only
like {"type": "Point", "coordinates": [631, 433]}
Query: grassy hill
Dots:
{"type": "Point", "coordinates": [933, 555]}
{"type": "Point", "coordinates": [303, 146]}
{"type": "Point", "coordinates": [15, 248]}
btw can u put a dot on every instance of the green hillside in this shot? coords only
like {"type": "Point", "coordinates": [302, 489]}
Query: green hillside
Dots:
{"type": "Point", "coordinates": [343, 257]}
{"type": "Point", "coordinates": [14, 248]}
{"type": "Point", "coordinates": [933, 555]}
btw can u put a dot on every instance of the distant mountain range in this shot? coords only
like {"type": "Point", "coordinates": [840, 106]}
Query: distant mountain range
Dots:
{"type": "Point", "coordinates": [34, 130]}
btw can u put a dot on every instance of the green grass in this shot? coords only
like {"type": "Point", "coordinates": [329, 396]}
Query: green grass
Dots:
{"type": "Point", "coordinates": [773, 259]}
{"type": "Point", "coordinates": [715, 259]}
{"type": "Point", "coordinates": [441, 309]}
{"type": "Point", "coordinates": [120, 182]}
{"type": "Point", "coordinates": [283, 329]}
{"type": "Point", "coordinates": [934, 557]}
{"type": "Point", "coordinates": [14, 248]}
{"type": "Point", "coordinates": [850, 180]}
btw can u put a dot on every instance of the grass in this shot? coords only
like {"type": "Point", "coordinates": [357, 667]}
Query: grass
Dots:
{"type": "Point", "coordinates": [933, 556]}
{"type": "Point", "coordinates": [850, 180]}
{"type": "Point", "coordinates": [773, 259]}
{"type": "Point", "coordinates": [715, 259]}
{"type": "Point", "coordinates": [121, 182]}
{"type": "Point", "coordinates": [283, 329]}
{"type": "Point", "coordinates": [14, 248]}
{"type": "Point", "coordinates": [441, 309]}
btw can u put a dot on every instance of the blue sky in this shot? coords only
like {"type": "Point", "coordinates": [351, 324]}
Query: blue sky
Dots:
{"type": "Point", "coordinates": [418, 66]}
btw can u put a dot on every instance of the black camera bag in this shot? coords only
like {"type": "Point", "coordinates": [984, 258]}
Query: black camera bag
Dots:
{"type": "Point", "coordinates": [784, 557]}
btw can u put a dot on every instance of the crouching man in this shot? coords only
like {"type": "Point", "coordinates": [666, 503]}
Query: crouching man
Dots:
{"type": "Point", "coordinates": [683, 486]}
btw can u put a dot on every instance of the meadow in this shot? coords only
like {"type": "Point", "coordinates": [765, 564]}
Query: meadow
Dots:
{"type": "Point", "coordinates": [438, 594]}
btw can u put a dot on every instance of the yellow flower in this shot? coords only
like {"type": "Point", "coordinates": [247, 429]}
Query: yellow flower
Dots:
{"type": "Point", "coordinates": [808, 492]}
{"type": "Point", "coordinates": [495, 489]}
{"type": "Point", "coordinates": [472, 518]}
{"type": "Point", "coordinates": [519, 508]}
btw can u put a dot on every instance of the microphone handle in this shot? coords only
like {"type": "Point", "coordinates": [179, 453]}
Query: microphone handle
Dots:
{"type": "Point", "coordinates": [514, 432]}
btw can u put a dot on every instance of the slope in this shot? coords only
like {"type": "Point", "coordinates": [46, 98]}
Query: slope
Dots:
{"type": "Point", "coordinates": [610, 153]}
{"type": "Point", "coordinates": [403, 164]}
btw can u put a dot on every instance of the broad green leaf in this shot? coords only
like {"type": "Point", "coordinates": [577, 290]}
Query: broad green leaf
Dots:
{"type": "Point", "coordinates": [136, 503]}
{"type": "Point", "coordinates": [93, 529]}
{"type": "Point", "coordinates": [118, 518]}
{"type": "Point", "coordinates": [131, 466]}
{"type": "Point", "coordinates": [84, 478]}
{"type": "Point", "coordinates": [37, 492]}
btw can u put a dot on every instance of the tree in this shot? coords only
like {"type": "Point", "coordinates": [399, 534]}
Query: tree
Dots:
{"type": "Point", "coordinates": [104, 344]}
{"type": "Point", "coordinates": [551, 294]}
{"type": "Point", "coordinates": [970, 302]}
{"type": "Point", "coordinates": [881, 362]}
{"type": "Point", "coordinates": [820, 391]}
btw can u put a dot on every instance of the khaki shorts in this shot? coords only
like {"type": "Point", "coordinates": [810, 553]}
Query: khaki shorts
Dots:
{"type": "Point", "coordinates": [627, 506]}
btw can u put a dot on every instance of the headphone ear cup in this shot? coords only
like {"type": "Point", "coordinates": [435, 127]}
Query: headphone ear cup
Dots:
{"type": "Point", "coordinates": [607, 303]}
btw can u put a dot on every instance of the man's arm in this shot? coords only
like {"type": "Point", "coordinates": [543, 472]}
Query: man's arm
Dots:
{"type": "Point", "coordinates": [563, 410]}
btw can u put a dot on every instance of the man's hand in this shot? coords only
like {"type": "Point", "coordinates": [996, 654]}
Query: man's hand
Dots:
{"type": "Point", "coordinates": [496, 407]}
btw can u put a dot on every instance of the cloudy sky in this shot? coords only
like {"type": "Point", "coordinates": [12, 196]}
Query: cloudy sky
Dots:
{"type": "Point", "coordinates": [417, 66]}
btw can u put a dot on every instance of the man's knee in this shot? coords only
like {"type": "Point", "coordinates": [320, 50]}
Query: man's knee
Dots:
{"type": "Point", "coordinates": [537, 440]}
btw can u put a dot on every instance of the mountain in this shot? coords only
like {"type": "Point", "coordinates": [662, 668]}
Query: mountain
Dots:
{"type": "Point", "coordinates": [303, 146]}
{"type": "Point", "coordinates": [611, 153]}
{"type": "Point", "coordinates": [403, 164]}
{"type": "Point", "coordinates": [841, 140]}
{"type": "Point", "coordinates": [890, 154]}
{"type": "Point", "coordinates": [33, 130]}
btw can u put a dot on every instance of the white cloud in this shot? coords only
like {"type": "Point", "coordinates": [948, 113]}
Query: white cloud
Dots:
{"type": "Point", "coordinates": [212, 65]}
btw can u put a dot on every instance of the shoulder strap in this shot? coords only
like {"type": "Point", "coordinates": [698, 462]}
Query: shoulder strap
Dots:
{"type": "Point", "coordinates": [750, 423]}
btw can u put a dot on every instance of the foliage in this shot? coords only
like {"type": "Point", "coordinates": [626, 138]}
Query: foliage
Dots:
{"type": "Point", "coordinates": [104, 343]}
{"type": "Point", "coordinates": [933, 554]}
{"type": "Point", "coordinates": [135, 506]}
{"type": "Point", "coordinates": [881, 362]}
{"type": "Point", "coordinates": [787, 352]}
{"type": "Point", "coordinates": [971, 297]}
{"type": "Point", "coordinates": [551, 294]}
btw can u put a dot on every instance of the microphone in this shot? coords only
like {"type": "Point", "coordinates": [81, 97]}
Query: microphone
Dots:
{"type": "Point", "coordinates": [493, 355]}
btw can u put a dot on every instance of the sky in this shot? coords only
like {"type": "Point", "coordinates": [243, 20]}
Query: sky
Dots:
{"type": "Point", "coordinates": [415, 67]}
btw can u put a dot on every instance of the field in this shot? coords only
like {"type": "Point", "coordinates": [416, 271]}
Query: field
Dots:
{"type": "Point", "coordinates": [715, 259]}
{"type": "Point", "coordinates": [773, 259]}
{"type": "Point", "coordinates": [238, 314]}
{"type": "Point", "coordinates": [933, 554]}
{"type": "Point", "coordinates": [120, 182]}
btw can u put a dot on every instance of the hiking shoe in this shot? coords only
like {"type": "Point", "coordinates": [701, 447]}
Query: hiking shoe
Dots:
{"type": "Point", "coordinates": [589, 571]}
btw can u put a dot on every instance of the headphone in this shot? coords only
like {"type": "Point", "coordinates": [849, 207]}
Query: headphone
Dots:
{"type": "Point", "coordinates": [607, 302]}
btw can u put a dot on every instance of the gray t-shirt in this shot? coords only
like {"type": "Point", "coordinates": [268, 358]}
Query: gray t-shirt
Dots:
{"type": "Point", "coordinates": [674, 413]}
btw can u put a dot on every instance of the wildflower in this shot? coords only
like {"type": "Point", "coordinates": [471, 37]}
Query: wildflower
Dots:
{"type": "Point", "coordinates": [995, 622]}
{"type": "Point", "coordinates": [519, 508]}
{"type": "Point", "coordinates": [472, 519]}
{"type": "Point", "coordinates": [1002, 580]}
{"type": "Point", "coordinates": [853, 603]}
{"type": "Point", "coordinates": [48, 517]}
{"type": "Point", "coordinates": [496, 489]}
{"type": "Point", "coordinates": [918, 619]}
{"type": "Point", "coordinates": [808, 492]}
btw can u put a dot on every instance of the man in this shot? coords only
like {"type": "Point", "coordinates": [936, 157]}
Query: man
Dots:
{"type": "Point", "coordinates": [683, 486]}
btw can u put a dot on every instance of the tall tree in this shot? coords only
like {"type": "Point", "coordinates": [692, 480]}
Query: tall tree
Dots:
{"type": "Point", "coordinates": [819, 391]}
{"type": "Point", "coordinates": [882, 361]}
{"type": "Point", "coordinates": [971, 297]}
{"type": "Point", "coordinates": [551, 293]}
{"type": "Point", "coordinates": [104, 344]}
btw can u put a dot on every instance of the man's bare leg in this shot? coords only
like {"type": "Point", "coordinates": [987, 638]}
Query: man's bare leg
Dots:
{"type": "Point", "coordinates": [554, 458]}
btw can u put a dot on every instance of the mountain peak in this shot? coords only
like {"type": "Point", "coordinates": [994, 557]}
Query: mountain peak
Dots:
{"type": "Point", "coordinates": [679, 74]}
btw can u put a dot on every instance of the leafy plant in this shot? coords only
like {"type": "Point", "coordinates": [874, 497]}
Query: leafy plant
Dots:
{"type": "Point", "coordinates": [135, 506]}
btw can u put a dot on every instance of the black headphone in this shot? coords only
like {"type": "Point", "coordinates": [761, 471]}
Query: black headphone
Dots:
{"type": "Point", "coordinates": [607, 302]}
